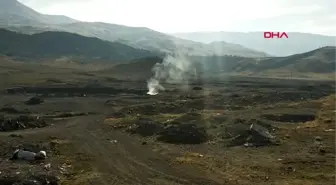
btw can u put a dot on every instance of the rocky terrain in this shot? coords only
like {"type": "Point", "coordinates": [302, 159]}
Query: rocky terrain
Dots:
{"type": "Point", "coordinates": [234, 131]}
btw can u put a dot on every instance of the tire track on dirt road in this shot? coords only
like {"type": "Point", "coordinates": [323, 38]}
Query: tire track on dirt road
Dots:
{"type": "Point", "coordinates": [129, 162]}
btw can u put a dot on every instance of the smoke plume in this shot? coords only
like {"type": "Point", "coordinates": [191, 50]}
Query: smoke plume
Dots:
{"type": "Point", "coordinates": [174, 69]}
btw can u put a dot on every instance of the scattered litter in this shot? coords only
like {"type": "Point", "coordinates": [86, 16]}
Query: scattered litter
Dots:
{"type": "Point", "coordinates": [280, 159]}
{"type": "Point", "coordinates": [47, 166]}
{"type": "Point", "coordinates": [28, 155]}
{"type": "Point", "coordinates": [114, 141]}
{"type": "Point", "coordinates": [329, 130]}
{"type": "Point", "coordinates": [248, 145]}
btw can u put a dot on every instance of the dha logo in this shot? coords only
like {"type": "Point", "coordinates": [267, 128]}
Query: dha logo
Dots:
{"type": "Point", "coordinates": [271, 35]}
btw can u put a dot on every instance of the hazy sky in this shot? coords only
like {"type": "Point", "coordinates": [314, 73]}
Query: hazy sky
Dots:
{"type": "Point", "coordinates": [314, 16]}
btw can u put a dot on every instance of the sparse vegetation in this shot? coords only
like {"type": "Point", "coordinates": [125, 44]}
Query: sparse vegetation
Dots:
{"type": "Point", "coordinates": [233, 124]}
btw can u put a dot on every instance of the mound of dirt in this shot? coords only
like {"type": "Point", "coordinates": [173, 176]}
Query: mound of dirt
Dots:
{"type": "Point", "coordinates": [183, 134]}
{"type": "Point", "coordinates": [146, 129]}
{"type": "Point", "coordinates": [34, 101]}
{"type": "Point", "coordinates": [293, 118]}
{"type": "Point", "coordinates": [20, 122]}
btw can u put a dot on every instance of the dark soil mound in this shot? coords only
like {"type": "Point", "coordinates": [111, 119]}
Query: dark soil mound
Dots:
{"type": "Point", "coordinates": [146, 129]}
{"type": "Point", "coordinates": [183, 134]}
{"type": "Point", "coordinates": [293, 118]}
{"type": "Point", "coordinates": [34, 101]}
{"type": "Point", "coordinates": [20, 122]}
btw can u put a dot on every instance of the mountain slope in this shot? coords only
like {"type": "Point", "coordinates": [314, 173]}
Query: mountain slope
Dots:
{"type": "Point", "coordinates": [152, 40]}
{"type": "Point", "coordinates": [13, 12]}
{"type": "Point", "coordinates": [319, 61]}
{"type": "Point", "coordinates": [18, 17]}
{"type": "Point", "coordinates": [296, 42]}
{"type": "Point", "coordinates": [62, 44]}
{"type": "Point", "coordinates": [144, 38]}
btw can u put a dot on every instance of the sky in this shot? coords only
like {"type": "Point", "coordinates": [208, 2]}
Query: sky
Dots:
{"type": "Point", "coordinates": [171, 16]}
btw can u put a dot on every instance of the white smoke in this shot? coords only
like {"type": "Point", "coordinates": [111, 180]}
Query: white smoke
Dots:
{"type": "Point", "coordinates": [173, 69]}
{"type": "Point", "coordinates": [154, 86]}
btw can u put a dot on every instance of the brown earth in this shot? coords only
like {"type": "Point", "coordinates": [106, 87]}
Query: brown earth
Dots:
{"type": "Point", "coordinates": [116, 134]}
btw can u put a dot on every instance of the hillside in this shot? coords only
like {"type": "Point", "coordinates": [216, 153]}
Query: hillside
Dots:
{"type": "Point", "coordinates": [13, 12]}
{"type": "Point", "coordinates": [296, 43]}
{"type": "Point", "coordinates": [18, 17]}
{"type": "Point", "coordinates": [320, 61]}
{"type": "Point", "coordinates": [62, 44]}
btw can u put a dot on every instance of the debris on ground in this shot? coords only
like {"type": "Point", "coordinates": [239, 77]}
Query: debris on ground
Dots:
{"type": "Point", "coordinates": [254, 135]}
{"type": "Point", "coordinates": [21, 122]}
{"type": "Point", "coordinates": [21, 154]}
